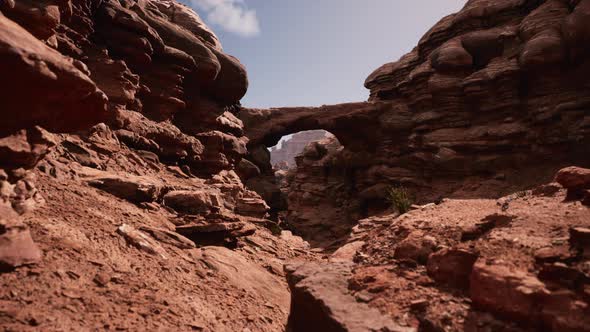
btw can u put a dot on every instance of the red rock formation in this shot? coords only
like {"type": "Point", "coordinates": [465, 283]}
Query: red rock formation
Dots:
{"type": "Point", "coordinates": [120, 199]}
{"type": "Point", "coordinates": [45, 87]}
{"type": "Point", "coordinates": [527, 271]}
{"type": "Point", "coordinates": [321, 205]}
{"type": "Point", "coordinates": [321, 301]}
{"type": "Point", "coordinates": [492, 100]}
{"type": "Point", "coordinates": [118, 196]}
{"type": "Point", "coordinates": [127, 56]}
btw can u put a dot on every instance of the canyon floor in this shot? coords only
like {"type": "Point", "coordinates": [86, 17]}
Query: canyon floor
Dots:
{"type": "Point", "coordinates": [113, 259]}
{"type": "Point", "coordinates": [137, 192]}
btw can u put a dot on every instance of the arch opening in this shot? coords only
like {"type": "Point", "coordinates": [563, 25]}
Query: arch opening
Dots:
{"type": "Point", "coordinates": [283, 154]}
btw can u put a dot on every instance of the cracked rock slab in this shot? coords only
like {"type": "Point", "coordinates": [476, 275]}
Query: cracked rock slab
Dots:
{"type": "Point", "coordinates": [320, 301]}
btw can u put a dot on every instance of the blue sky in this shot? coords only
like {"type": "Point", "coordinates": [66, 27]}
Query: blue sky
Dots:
{"type": "Point", "coordinates": [314, 52]}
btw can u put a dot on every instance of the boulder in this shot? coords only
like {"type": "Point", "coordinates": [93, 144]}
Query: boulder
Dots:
{"type": "Point", "coordinates": [142, 241]}
{"type": "Point", "coordinates": [553, 254]}
{"type": "Point", "coordinates": [24, 148]}
{"type": "Point", "coordinates": [574, 178]}
{"type": "Point", "coordinates": [506, 291]}
{"type": "Point", "coordinates": [321, 301]}
{"type": "Point", "coordinates": [194, 202]}
{"type": "Point", "coordinates": [247, 170]}
{"type": "Point", "coordinates": [417, 246]}
{"type": "Point", "coordinates": [17, 247]}
{"type": "Point", "coordinates": [347, 252]}
{"type": "Point", "coordinates": [229, 123]}
{"type": "Point", "coordinates": [451, 56]}
{"type": "Point", "coordinates": [132, 188]}
{"type": "Point", "coordinates": [232, 82]}
{"type": "Point", "coordinates": [252, 206]}
{"type": "Point", "coordinates": [452, 266]}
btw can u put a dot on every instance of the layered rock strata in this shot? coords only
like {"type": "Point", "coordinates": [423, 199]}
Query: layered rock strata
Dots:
{"type": "Point", "coordinates": [118, 196]}
{"type": "Point", "coordinates": [150, 71]}
{"type": "Point", "coordinates": [492, 100]}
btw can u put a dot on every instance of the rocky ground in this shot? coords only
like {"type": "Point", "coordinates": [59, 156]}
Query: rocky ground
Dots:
{"type": "Point", "coordinates": [518, 263]}
{"type": "Point", "coordinates": [136, 193]}
{"type": "Point", "coordinates": [109, 254]}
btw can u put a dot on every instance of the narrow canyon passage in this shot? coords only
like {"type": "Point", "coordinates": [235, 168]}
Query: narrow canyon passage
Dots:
{"type": "Point", "coordinates": [137, 193]}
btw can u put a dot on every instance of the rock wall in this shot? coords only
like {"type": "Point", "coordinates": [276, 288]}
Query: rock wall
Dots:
{"type": "Point", "coordinates": [119, 202]}
{"type": "Point", "coordinates": [150, 69]}
{"type": "Point", "coordinates": [322, 203]}
{"type": "Point", "coordinates": [493, 99]}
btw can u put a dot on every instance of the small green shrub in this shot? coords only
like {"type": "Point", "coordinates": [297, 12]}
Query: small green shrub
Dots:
{"type": "Point", "coordinates": [275, 229]}
{"type": "Point", "coordinates": [399, 198]}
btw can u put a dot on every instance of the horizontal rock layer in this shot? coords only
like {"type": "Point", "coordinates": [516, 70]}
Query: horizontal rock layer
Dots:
{"type": "Point", "coordinates": [495, 94]}
{"type": "Point", "coordinates": [76, 63]}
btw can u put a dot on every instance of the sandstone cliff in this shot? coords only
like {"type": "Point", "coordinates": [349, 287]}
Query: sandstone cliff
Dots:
{"type": "Point", "coordinates": [118, 196]}
{"type": "Point", "coordinates": [137, 194]}
{"type": "Point", "coordinates": [493, 99]}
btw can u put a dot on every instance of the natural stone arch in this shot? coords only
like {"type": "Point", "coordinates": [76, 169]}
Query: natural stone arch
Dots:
{"type": "Point", "coordinates": [353, 124]}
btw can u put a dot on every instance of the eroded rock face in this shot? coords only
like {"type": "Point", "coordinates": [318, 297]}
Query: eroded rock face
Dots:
{"type": "Point", "coordinates": [107, 61]}
{"type": "Point", "coordinates": [492, 100]}
{"type": "Point", "coordinates": [118, 144]}
{"type": "Point", "coordinates": [134, 201]}
{"type": "Point", "coordinates": [45, 87]}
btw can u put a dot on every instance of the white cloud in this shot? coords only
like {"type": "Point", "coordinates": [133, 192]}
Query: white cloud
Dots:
{"type": "Point", "coordinates": [231, 15]}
